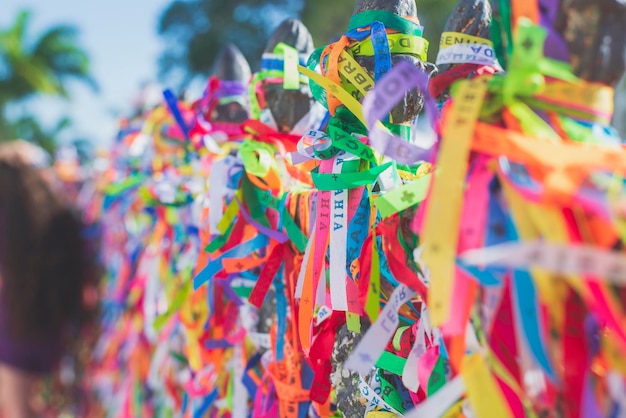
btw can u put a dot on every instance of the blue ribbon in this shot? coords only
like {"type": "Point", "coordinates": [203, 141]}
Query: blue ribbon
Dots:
{"type": "Point", "coordinates": [443, 352]}
{"type": "Point", "coordinates": [281, 313]}
{"type": "Point", "coordinates": [357, 232]}
{"type": "Point", "coordinates": [527, 311]}
{"type": "Point", "coordinates": [209, 300]}
{"type": "Point", "coordinates": [483, 277]}
{"type": "Point", "coordinates": [500, 229]}
{"type": "Point", "coordinates": [185, 403]}
{"type": "Point", "coordinates": [276, 64]}
{"type": "Point", "coordinates": [407, 401]}
{"type": "Point", "coordinates": [382, 52]}
{"type": "Point", "coordinates": [247, 381]}
{"type": "Point", "coordinates": [248, 275]}
{"type": "Point", "coordinates": [307, 381]}
{"type": "Point", "coordinates": [591, 198]}
{"type": "Point", "coordinates": [215, 266]}
{"type": "Point", "coordinates": [384, 264]}
{"type": "Point", "coordinates": [268, 64]}
{"type": "Point", "coordinates": [495, 233]}
{"type": "Point", "coordinates": [200, 411]}
{"type": "Point", "coordinates": [322, 126]}
{"type": "Point", "coordinates": [172, 104]}
{"type": "Point", "coordinates": [217, 344]}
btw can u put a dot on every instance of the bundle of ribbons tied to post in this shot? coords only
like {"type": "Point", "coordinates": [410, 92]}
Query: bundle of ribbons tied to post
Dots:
{"type": "Point", "coordinates": [354, 231]}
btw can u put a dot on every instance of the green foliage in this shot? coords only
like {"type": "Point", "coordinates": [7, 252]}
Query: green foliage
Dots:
{"type": "Point", "coordinates": [41, 66]}
{"type": "Point", "coordinates": [433, 14]}
{"type": "Point", "coordinates": [29, 127]}
{"type": "Point", "coordinates": [327, 19]}
{"type": "Point", "coordinates": [37, 65]}
{"type": "Point", "coordinates": [195, 30]}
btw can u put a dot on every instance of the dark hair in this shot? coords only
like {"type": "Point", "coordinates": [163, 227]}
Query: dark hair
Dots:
{"type": "Point", "coordinates": [43, 265]}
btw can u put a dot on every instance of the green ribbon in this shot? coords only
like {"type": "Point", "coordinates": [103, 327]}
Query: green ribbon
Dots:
{"type": "Point", "coordinates": [389, 19]}
{"type": "Point", "coordinates": [326, 153]}
{"type": "Point", "coordinates": [257, 157]}
{"type": "Point", "coordinates": [403, 131]}
{"type": "Point", "coordinates": [344, 181]}
{"type": "Point", "coordinates": [566, 111]}
{"type": "Point", "coordinates": [181, 199]}
{"type": "Point", "coordinates": [252, 202]}
{"type": "Point", "coordinates": [116, 189]}
{"type": "Point", "coordinates": [318, 92]}
{"type": "Point", "coordinates": [390, 394]}
{"type": "Point", "coordinates": [179, 357]}
{"type": "Point", "coordinates": [526, 77]}
{"type": "Point", "coordinates": [579, 133]}
{"type": "Point", "coordinates": [501, 32]}
{"type": "Point", "coordinates": [343, 118]}
{"type": "Point", "coordinates": [294, 233]}
{"type": "Point", "coordinates": [291, 80]}
{"type": "Point", "coordinates": [338, 127]}
{"type": "Point", "coordinates": [255, 108]}
{"type": "Point", "coordinates": [348, 122]}
{"type": "Point", "coordinates": [230, 391]}
{"type": "Point", "coordinates": [438, 377]}
{"type": "Point", "coordinates": [138, 399]}
{"type": "Point", "coordinates": [266, 199]}
{"type": "Point", "coordinates": [391, 363]}
{"type": "Point", "coordinates": [242, 291]}
{"type": "Point", "coordinates": [175, 305]}
{"type": "Point", "coordinates": [403, 197]}
{"type": "Point", "coordinates": [346, 142]}
{"type": "Point", "coordinates": [220, 241]}
{"type": "Point", "coordinates": [408, 250]}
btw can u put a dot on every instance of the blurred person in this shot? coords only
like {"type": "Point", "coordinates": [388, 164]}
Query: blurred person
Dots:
{"type": "Point", "coordinates": [44, 272]}
{"type": "Point", "coordinates": [69, 172]}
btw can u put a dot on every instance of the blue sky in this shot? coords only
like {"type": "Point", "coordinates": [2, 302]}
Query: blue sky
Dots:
{"type": "Point", "coordinates": [120, 36]}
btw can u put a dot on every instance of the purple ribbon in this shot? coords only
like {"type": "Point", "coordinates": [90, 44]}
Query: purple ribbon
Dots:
{"type": "Point", "coordinates": [389, 91]}
{"type": "Point", "coordinates": [226, 285]}
{"type": "Point", "coordinates": [270, 233]}
{"type": "Point", "coordinates": [554, 47]}
{"type": "Point", "coordinates": [226, 88]}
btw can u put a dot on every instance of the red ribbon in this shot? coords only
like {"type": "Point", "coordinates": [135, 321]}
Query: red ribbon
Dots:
{"type": "Point", "coordinates": [396, 256]}
{"type": "Point", "coordinates": [442, 81]}
{"type": "Point", "coordinates": [267, 276]}
{"type": "Point", "coordinates": [285, 142]}
{"type": "Point", "coordinates": [320, 356]}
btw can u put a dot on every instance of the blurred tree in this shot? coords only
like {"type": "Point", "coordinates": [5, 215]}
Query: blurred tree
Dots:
{"type": "Point", "coordinates": [29, 128]}
{"type": "Point", "coordinates": [85, 149]}
{"type": "Point", "coordinates": [433, 15]}
{"type": "Point", "coordinates": [328, 19]}
{"type": "Point", "coordinates": [196, 30]}
{"type": "Point", "coordinates": [31, 65]}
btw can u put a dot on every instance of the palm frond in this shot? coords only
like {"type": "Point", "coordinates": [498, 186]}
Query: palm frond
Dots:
{"type": "Point", "coordinates": [16, 34]}
{"type": "Point", "coordinates": [45, 65]}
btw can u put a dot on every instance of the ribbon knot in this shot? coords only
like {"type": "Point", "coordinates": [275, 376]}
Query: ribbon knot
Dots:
{"type": "Point", "coordinates": [529, 75]}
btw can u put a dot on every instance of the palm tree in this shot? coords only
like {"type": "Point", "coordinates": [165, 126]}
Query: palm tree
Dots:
{"type": "Point", "coordinates": [43, 64]}
{"type": "Point", "coordinates": [28, 127]}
